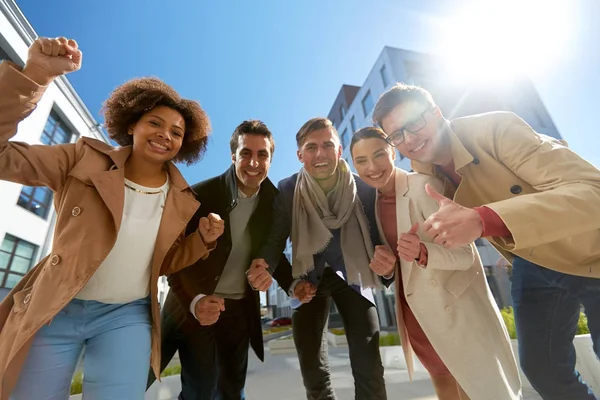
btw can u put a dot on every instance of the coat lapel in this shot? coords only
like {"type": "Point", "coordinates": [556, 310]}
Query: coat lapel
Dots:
{"type": "Point", "coordinates": [403, 218]}
{"type": "Point", "coordinates": [180, 207]}
{"type": "Point", "coordinates": [110, 187]}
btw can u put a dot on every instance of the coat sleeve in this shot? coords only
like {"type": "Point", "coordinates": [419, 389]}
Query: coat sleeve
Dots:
{"type": "Point", "coordinates": [280, 231]}
{"type": "Point", "coordinates": [438, 257]}
{"type": "Point", "coordinates": [567, 202]}
{"type": "Point", "coordinates": [31, 165]}
{"type": "Point", "coordinates": [185, 252]}
{"type": "Point", "coordinates": [283, 274]}
{"type": "Point", "coordinates": [185, 283]}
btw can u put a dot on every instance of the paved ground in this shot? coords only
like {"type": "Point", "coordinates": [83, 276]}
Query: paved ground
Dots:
{"type": "Point", "coordinates": [279, 378]}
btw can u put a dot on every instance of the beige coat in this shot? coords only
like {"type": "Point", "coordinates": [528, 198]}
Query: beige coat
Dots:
{"type": "Point", "coordinates": [87, 179]}
{"type": "Point", "coordinates": [453, 304]}
{"type": "Point", "coordinates": [548, 196]}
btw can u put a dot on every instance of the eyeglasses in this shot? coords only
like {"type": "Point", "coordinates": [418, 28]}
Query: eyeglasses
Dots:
{"type": "Point", "coordinates": [414, 126]}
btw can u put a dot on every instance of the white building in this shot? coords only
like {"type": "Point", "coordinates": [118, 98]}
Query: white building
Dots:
{"type": "Point", "coordinates": [26, 213]}
{"type": "Point", "coordinates": [353, 109]}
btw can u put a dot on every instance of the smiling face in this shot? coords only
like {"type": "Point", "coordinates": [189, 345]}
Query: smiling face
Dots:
{"type": "Point", "coordinates": [252, 161]}
{"type": "Point", "coordinates": [426, 145]}
{"type": "Point", "coordinates": [373, 159]}
{"type": "Point", "coordinates": [320, 153]}
{"type": "Point", "coordinates": [158, 135]}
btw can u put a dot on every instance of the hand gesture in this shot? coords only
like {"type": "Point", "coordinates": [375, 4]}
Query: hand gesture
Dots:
{"type": "Point", "coordinates": [409, 244]}
{"type": "Point", "coordinates": [208, 309]}
{"type": "Point", "coordinates": [452, 225]}
{"type": "Point", "coordinates": [50, 58]}
{"type": "Point", "coordinates": [211, 228]}
{"type": "Point", "coordinates": [383, 262]}
{"type": "Point", "coordinates": [258, 275]}
{"type": "Point", "coordinates": [305, 291]}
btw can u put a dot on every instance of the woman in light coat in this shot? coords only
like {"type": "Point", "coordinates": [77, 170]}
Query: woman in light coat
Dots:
{"type": "Point", "coordinates": [445, 311]}
{"type": "Point", "coordinates": [121, 215]}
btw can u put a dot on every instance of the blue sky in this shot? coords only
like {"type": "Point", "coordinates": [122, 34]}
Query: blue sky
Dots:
{"type": "Point", "coordinates": [283, 62]}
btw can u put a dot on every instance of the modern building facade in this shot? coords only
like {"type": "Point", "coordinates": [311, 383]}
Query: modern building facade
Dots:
{"type": "Point", "coordinates": [353, 109]}
{"type": "Point", "coordinates": [27, 213]}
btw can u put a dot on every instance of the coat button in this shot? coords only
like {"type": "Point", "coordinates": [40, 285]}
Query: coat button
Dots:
{"type": "Point", "coordinates": [217, 278]}
{"type": "Point", "coordinates": [516, 189]}
{"type": "Point", "coordinates": [432, 282]}
{"type": "Point", "coordinates": [76, 211]}
{"type": "Point", "coordinates": [476, 161]}
{"type": "Point", "coordinates": [27, 298]}
{"type": "Point", "coordinates": [55, 260]}
{"type": "Point", "coordinates": [448, 309]}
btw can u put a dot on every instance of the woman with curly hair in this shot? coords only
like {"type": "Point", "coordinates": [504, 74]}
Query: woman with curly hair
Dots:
{"type": "Point", "coordinates": [121, 219]}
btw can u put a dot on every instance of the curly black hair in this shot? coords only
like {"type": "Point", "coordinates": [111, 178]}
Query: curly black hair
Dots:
{"type": "Point", "coordinates": [130, 101]}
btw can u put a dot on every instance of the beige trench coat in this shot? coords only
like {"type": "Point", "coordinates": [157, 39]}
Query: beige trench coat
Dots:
{"type": "Point", "coordinates": [453, 303]}
{"type": "Point", "coordinates": [548, 196]}
{"type": "Point", "coordinates": [87, 179]}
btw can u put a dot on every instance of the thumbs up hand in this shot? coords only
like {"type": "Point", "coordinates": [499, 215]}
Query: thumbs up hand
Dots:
{"type": "Point", "coordinates": [452, 225]}
{"type": "Point", "coordinates": [409, 244]}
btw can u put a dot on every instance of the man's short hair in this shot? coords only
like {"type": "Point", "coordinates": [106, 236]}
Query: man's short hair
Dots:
{"type": "Point", "coordinates": [398, 94]}
{"type": "Point", "coordinates": [312, 125]}
{"type": "Point", "coordinates": [251, 127]}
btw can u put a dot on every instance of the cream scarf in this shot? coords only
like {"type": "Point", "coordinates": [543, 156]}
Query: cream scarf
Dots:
{"type": "Point", "coordinates": [312, 219]}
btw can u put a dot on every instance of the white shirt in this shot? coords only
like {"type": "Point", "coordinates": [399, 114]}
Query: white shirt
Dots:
{"type": "Point", "coordinates": [124, 275]}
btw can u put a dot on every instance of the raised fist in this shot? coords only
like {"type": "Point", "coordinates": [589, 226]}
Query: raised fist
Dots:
{"type": "Point", "coordinates": [211, 228]}
{"type": "Point", "coordinates": [50, 58]}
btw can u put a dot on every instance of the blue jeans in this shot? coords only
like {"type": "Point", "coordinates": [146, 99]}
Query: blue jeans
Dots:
{"type": "Point", "coordinates": [547, 304]}
{"type": "Point", "coordinates": [116, 338]}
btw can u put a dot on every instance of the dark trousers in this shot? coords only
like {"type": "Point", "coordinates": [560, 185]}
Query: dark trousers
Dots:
{"type": "Point", "coordinates": [547, 304]}
{"type": "Point", "coordinates": [362, 331]}
{"type": "Point", "coordinates": [214, 359]}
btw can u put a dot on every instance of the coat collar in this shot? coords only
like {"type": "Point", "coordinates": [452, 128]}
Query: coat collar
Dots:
{"type": "Point", "coordinates": [120, 154]}
{"type": "Point", "coordinates": [460, 155]}
{"type": "Point", "coordinates": [230, 178]}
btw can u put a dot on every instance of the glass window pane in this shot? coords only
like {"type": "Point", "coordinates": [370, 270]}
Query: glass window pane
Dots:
{"type": "Point", "coordinates": [25, 249]}
{"type": "Point", "coordinates": [12, 280]}
{"type": "Point", "coordinates": [42, 194]}
{"type": "Point", "coordinates": [49, 127]}
{"type": "Point", "coordinates": [4, 259]}
{"type": "Point", "coordinates": [8, 244]}
{"type": "Point", "coordinates": [60, 136]}
{"type": "Point", "coordinates": [367, 103]}
{"type": "Point", "coordinates": [38, 209]}
{"type": "Point", "coordinates": [20, 264]}
{"type": "Point", "coordinates": [28, 190]}
{"type": "Point", "coordinates": [23, 201]}
{"type": "Point", "coordinates": [45, 139]}
{"type": "Point", "coordinates": [4, 55]}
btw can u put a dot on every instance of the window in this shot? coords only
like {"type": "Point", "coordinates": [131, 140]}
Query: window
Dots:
{"type": "Point", "coordinates": [36, 199]}
{"type": "Point", "coordinates": [384, 79]}
{"type": "Point", "coordinates": [367, 103]}
{"type": "Point", "coordinates": [344, 137]}
{"type": "Point", "coordinates": [55, 131]}
{"type": "Point", "coordinates": [4, 55]}
{"type": "Point", "coordinates": [16, 259]}
{"type": "Point", "coordinates": [353, 124]}
{"type": "Point", "coordinates": [342, 112]}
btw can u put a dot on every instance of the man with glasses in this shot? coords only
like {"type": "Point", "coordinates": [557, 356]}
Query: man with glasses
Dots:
{"type": "Point", "coordinates": [212, 315]}
{"type": "Point", "coordinates": [534, 199]}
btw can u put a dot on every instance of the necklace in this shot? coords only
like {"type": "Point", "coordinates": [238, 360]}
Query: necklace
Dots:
{"type": "Point", "coordinates": [128, 186]}
{"type": "Point", "coordinates": [141, 191]}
